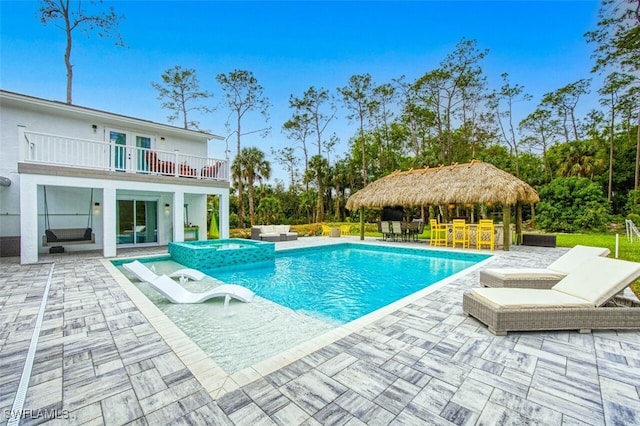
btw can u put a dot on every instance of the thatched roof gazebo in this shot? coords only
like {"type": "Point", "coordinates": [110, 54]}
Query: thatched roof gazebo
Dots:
{"type": "Point", "coordinates": [471, 183]}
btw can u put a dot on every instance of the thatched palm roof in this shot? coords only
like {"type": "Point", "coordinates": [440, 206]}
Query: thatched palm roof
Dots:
{"type": "Point", "coordinates": [474, 182]}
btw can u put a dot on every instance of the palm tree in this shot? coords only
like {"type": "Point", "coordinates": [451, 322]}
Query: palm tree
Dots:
{"type": "Point", "coordinates": [252, 166]}
{"type": "Point", "coordinates": [269, 210]}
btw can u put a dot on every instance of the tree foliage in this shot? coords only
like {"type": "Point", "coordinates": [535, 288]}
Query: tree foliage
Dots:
{"type": "Point", "coordinates": [71, 16]}
{"type": "Point", "coordinates": [178, 91]}
{"type": "Point", "coordinates": [242, 94]}
{"type": "Point", "coordinates": [572, 204]}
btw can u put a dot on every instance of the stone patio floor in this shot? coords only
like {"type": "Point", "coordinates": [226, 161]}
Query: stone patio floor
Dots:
{"type": "Point", "coordinates": [100, 360]}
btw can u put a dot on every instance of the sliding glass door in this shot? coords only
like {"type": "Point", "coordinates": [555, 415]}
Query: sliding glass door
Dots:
{"type": "Point", "coordinates": [137, 221]}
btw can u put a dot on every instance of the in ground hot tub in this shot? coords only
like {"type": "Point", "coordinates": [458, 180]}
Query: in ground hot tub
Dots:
{"type": "Point", "coordinates": [220, 253]}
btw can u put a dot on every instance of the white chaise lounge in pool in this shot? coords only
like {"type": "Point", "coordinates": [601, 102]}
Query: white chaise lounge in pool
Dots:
{"type": "Point", "coordinates": [178, 294]}
{"type": "Point", "coordinates": [145, 274]}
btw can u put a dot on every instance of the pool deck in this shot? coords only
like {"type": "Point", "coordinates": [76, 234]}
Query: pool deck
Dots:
{"type": "Point", "coordinates": [103, 357]}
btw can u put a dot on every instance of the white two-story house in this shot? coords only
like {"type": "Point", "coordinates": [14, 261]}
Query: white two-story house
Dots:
{"type": "Point", "coordinates": [75, 178]}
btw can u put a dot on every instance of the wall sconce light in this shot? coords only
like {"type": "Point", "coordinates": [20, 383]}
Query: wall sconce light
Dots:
{"type": "Point", "coordinates": [97, 204]}
{"type": "Point", "coordinates": [166, 206]}
{"type": "Point", "coordinates": [96, 207]}
{"type": "Point", "coordinates": [95, 128]}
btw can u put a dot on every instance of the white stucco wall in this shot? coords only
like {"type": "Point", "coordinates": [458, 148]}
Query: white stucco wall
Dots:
{"type": "Point", "coordinates": [55, 119]}
{"type": "Point", "coordinates": [68, 197]}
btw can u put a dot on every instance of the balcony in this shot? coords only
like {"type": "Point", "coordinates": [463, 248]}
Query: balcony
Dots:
{"type": "Point", "coordinates": [43, 148]}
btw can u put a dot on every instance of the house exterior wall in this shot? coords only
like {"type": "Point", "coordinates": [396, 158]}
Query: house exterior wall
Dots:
{"type": "Point", "coordinates": [22, 206]}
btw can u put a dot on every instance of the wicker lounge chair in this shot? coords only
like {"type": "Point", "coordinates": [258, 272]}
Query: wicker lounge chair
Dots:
{"type": "Point", "coordinates": [540, 278]}
{"type": "Point", "coordinates": [586, 299]}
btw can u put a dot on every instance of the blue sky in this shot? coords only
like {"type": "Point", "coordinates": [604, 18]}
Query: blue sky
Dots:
{"type": "Point", "coordinates": [290, 46]}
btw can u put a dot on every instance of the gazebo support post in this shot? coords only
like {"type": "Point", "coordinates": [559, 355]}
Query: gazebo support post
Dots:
{"type": "Point", "coordinates": [361, 223]}
{"type": "Point", "coordinates": [518, 223]}
{"type": "Point", "coordinates": [506, 222]}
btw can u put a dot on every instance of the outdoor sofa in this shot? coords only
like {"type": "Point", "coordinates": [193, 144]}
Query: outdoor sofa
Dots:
{"type": "Point", "coordinates": [273, 233]}
{"type": "Point", "coordinates": [586, 299]}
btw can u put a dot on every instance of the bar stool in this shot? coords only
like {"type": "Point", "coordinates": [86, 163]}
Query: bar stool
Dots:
{"type": "Point", "coordinates": [438, 236]}
{"type": "Point", "coordinates": [460, 233]}
{"type": "Point", "coordinates": [485, 236]}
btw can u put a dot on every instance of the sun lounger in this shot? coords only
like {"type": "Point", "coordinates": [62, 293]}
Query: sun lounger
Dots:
{"type": "Point", "coordinates": [143, 273]}
{"type": "Point", "coordinates": [178, 294]}
{"type": "Point", "coordinates": [540, 278]}
{"type": "Point", "coordinates": [586, 299]}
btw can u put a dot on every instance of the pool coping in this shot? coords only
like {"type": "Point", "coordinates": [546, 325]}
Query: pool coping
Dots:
{"type": "Point", "coordinates": [213, 378]}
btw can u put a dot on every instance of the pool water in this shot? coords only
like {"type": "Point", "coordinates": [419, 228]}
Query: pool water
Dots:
{"type": "Point", "coordinates": [305, 293]}
{"type": "Point", "coordinates": [346, 281]}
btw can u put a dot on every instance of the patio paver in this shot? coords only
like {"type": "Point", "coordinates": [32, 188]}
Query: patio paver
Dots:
{"type": "Point", "coordinates": [100, 360]}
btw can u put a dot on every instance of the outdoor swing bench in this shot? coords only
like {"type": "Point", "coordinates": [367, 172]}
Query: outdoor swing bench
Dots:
{"type": "Point", "coordinates": [58, 237]}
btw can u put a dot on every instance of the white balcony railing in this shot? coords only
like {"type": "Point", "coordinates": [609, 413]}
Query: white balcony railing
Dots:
{"type": "Point", "coordinates": [63, 151]}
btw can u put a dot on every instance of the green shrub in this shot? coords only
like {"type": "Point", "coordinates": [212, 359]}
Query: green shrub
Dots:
{"type": "Point", "coordinates": [633, 202]}
{"type": "Point", "coordinates": [572, 204]}
{"type": "Point", "coordinates": [233, 220]}
{"type": "Point", "coordinates": [634, 217]}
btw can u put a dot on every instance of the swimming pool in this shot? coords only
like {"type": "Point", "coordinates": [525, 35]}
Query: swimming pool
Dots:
{"type": "Point", "coordinates": [346, 281]}
{"type": "Point", "coordinates": [305, 293]}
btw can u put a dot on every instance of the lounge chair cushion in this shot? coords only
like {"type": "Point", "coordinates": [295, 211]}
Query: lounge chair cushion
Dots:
{"type": "Point", "coordinates": [525, 274]}
{"type": "Point", "coordinates": [599, 279]}
{"type": "Point", "coordinates": [527, 298]}
{"type": "Point", "coordinates": [568, 262]}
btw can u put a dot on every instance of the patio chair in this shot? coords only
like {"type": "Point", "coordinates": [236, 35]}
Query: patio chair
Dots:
{"type": "Point", "coordinates": [141, 272]}
{"type": "Point", "coordinates": [397, 230]}
{"type": "Point", "coordinates": [584, 300]}
{"type": "Point", "coordinates": [415, 229]}
{"type": "Point", "coordinates": [438, 233]}
{"type": "Point", "coordinates": [345, 230]}
{"type": "Point", "coordinates": [326, 230]}
{"type": "Point", "coordinates": [385, 228]}
{"type": "Point", "coordinates": [178, 294]}
{"type": "Point", "coordinates": [540, 277]}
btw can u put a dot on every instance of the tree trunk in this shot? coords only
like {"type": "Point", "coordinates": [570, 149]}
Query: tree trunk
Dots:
{"type": "Point", "coordinates": [611, 139]}
{"type": "Point", "coordinates": [239, 180]}
{"type": "Point", "coordinates": [364, 161]}
{"type": "Point", "coordinates": [67, 62]}
{"type": "Point", "coordinates": [637, 148]}
{"type": "Point", "coordinates": [518, 223]}
{"type": "Point", "coordinates": [251, 208]}
{"type": "Point", "coordinates": [506, 223]}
